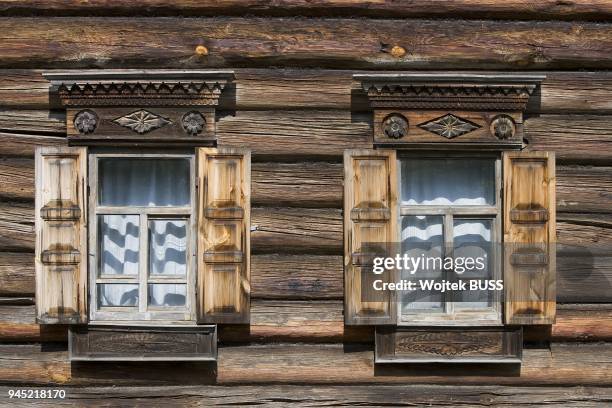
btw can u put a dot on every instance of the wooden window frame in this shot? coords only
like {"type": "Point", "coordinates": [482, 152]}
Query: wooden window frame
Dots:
{"type": "Point", "coordinates": [115, 315]}
{"type": "Point", "coordinates": [485, 317]}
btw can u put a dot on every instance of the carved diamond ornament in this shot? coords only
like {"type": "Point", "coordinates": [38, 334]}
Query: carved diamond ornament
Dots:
{"type": "Point", "coordinates": [142, 121]}
{"type": "Point", "coordinates": [449, 126]}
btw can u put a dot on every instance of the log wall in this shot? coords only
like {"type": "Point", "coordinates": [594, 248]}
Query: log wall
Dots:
{"type": "Point", "coordinates": [295, 105]}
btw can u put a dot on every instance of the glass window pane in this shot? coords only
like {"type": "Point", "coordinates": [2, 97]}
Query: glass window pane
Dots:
{"type": "Point", "coordinates": [448, 181]}
{"type": "Point", "coordinates": [119, 244]}
{"type": "Point", "coordinates": [472, 239]}
{"type": "Point", "coordinates": [168, 247]}
{"type": "Point", "coordinates": [167, 294]}
{"type": "Point", "coordinates": [156, 182]}
{"type": "Point", "coordinates": [423, 237]}
{"type": "Point", "coordinates": [117, 294]}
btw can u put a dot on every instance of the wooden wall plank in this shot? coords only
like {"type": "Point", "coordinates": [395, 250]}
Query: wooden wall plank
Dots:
{"type": "Point", "coordinates": [46, 122]}
{"type": "Point", "coordinates": [309, 322]}
{"type": "Point", "coordinates": [584, 271]}
{"type": "Point", "coordinates": [325, 134]}
{"type": "Point", "coordinates": [567, 364]}
{"type": "Point", "coordinates": [573, 138]}
{"type": "Point", "coordinates": [278, 89]}
{"type": "Point", "coordinates": [281, 396]}
{"type": "Point", "coordinates": [257, 42]}
{"type": "Point", "coordinates": [598, 10]}
{"type": "Point", "coordinates": [580, 189]}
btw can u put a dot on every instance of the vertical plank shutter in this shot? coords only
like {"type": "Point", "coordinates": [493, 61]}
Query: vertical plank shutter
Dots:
{"type": "Point", "coordinates": [370, 216]}
{"type": "Point", "coordinates": [61, 235]}
{"type": "Point", "coordinates": [224, 176]}
{"type": "Point", "coordinates": [529, 237]}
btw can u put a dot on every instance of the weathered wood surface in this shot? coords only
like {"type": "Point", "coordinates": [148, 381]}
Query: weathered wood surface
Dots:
{"type": "Point", "coordinates": [275, 229]}
{"type": "Point", "coordinates": [598, 10]}
{"type": "Point", "coordinates": [584, 271]}
{"type": "Point", "coordinates": [355, 43]}
{"type": "Point", "coordinates": [584, 364]}
{"type": "Point", "coordinates": [271, 89]}
{"type": "Point", "coordinates": [310, 322]}
{"type": "Point", "coordinates": [324, 396]}
{"type": "Point", "coordinates": [573, 138]}
{"type": "Point", "coordinates": [272, 135]}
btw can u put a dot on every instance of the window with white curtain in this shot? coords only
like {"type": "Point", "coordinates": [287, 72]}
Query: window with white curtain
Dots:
{"type": "Point", "coordinates": [450, 208]}
{"type": "Point", "coordinates": [141, 232]}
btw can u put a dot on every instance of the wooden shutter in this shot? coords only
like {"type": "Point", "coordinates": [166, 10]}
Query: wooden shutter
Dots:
{"type": "Point", "coordinates": [61, 235]}
{"type": "Point", "coordinates": [370, 216]}
{"type": "Point", "coordinates": [224, 209]}
{"type": "Point", "coordinates": [529, 237]}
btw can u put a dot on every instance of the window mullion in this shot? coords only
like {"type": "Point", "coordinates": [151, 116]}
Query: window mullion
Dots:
{"type": "Point", "coordinates": [448, 245]}
{"type": "Point", "coordinates": [144, 264]}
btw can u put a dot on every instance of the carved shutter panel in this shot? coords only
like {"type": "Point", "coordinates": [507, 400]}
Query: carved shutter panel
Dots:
{"type": "Point", "coordinates": [529, 237]}
{"type": "Point", "coordinates": [224, 235]}
{"type": "Point", "coordinates": [370, 216]}
{"type": "Point", "coordinates": [61, 235]}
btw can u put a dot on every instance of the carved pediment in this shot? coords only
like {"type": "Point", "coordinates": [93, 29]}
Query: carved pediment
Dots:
{"type": "Point", "coordinates": [136, 106]}
{"type": "Point", "coordinates": [446, 110]}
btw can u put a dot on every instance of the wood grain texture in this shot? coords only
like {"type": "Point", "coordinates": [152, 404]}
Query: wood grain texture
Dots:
{"type": "Point", "coordinates": [224, 239]}
{"type": "Point", "coordinates": [598, 10]}
{"type": "Point", "coordinates": [274, 135]}
{"type": "Point", "coordinates": [272, 89]}
{"type": "Point", "coordinates": [584, 271]}
{"type": "Point", "coordinates": [574, 138]}
{"type": "Point", "coordinates": [337, 43]}
{"type": "Point", "coordinates": [311, 322]}
{"type": "Point", "coordinates": [281, 396]}
{"type": "Point", "coordinates": [296, 230]}
{"type": "Point", "coordinates": [565, 364]}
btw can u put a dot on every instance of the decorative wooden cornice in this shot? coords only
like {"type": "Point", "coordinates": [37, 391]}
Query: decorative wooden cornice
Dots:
{"type": "Point", "coordinates": [448, 111]}
{"type": "Point", "coordinates": [455, 91]}
{"type": "Point", "coordinates": [139, 88]}
{"type": "Point", "coordinates": [140, 106]}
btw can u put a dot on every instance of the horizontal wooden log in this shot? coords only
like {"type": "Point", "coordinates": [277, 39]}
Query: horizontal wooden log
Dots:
{"type": "Point", "coordinates": [584, 189]}
{"type": "Point", "coordinates": [584, 271]}
{"type": "Point", "coordinates": [326, 134]}
{"type": "Point", "coordinates": [16, 274]}
{"type": "Point", "coordinates": [296, 230]}
{"type": "Point", "coordinates": [311, 322]}
{"type": "Point", "coordinates": [281, 396]}
{"type": "Point", "coordinates": [306, 184]}
{"type": "Point", "coordinates": [568, 364]}
{"type": "Point", "coordinates": [333, 43]}
{"type": "Point", "coordinates": [279, 89]}
{"type": "Point", "coordinates": [598, 10]}
{"type": "Point", "coordinates": [574, 138]}
{"type": "Point", "coordinates": [276, 276]}
{"type": "Point", "coordinates": [41, 122]}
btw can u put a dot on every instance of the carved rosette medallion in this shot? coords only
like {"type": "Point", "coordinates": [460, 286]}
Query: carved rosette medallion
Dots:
{"type": "Point", "coordinates": [193, 123]}
{"type": "Point", "coordinates": [142, 121]}
{"type": "Point", "coordinates": [449, 126]}
{"type": "Point", "coordinates": [85, 121]}
{"type": "Point", "coordinates": [503, 127]}
{"type": "Point", "coordinates": [395, 126]}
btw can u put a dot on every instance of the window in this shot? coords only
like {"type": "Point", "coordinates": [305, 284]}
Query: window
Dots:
{"type": "Point", "coordinates": [450, 209]}
{"type": "Point", "coordinates": [142, 229]}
